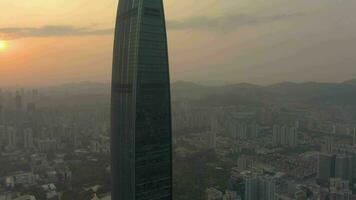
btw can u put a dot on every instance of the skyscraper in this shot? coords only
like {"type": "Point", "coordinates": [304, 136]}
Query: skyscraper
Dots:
{"type": "Point", "coordinates": [325, 168]}
{"type": "Point", "coordinates": [140, 104]}
{"type": "Point", "coordinates": [18, 101]}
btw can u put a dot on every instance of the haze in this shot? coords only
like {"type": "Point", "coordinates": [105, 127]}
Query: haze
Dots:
{"type": "Point", "coordinates": [210, 41]}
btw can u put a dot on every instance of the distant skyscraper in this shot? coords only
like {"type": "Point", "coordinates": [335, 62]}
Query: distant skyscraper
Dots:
{"type": "Point", "coordinates": [18, 102]}
{"type": "Point", "coordinates": [293, 137]}
{"type": "Point", "coordinates": [326, 167]}
{"type": "Point", "coordinates": [212, 140]}
{"type": "Point", "coordinates": [2, 136]}
{"type": "Point", "coordinates": [11, 137]}
{"type": "Point", "coordinates": [344, 167]}
{"type": "Point", "coordinates": [28, 139]}
{"type": "Point", "coordinates": [276, 135]}
{"type": "Point", "coordinates": [31, 107]}
{"type": "Point", "coordinates": [140, 104]}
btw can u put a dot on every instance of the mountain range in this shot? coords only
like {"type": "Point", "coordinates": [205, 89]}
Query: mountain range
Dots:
{"type": "Point", "coordinates": [343, 93]}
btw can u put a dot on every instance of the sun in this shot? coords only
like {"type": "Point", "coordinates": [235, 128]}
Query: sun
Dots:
{"type": "Point", "coordinates": [3, 45]}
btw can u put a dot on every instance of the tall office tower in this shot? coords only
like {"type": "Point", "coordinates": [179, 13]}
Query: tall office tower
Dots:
{"type": "Point", "coordinates": [140, 106]}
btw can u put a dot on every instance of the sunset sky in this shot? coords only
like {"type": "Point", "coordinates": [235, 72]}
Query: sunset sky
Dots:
{"type": "Point", "coordinates": [49, 42]}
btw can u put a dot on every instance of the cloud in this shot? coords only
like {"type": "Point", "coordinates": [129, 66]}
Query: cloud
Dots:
{"type": "Point", "coordinates": [223, 23]}
{"type": "Point", "coordinates": [227, 22]}
{"type": "Point", "coordinates": [50, 31]}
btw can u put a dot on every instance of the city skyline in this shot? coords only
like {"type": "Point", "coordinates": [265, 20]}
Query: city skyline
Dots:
{"type": "Point", "coordinates": [178, 100]}
{"type": "Point", "coordinates": [253, 40]}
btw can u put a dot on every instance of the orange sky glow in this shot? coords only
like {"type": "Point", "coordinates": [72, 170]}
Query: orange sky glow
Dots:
{"type": "Point", "coordinates": [59, 41]}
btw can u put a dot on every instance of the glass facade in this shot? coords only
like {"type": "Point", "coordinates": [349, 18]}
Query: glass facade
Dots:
{"type": "Point", "coordinates": [141, 109]}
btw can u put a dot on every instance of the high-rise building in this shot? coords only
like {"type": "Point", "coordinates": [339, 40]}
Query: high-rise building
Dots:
{"type": "Point", "coordinates": [18, 102]}
{"type": "Point", "coordinates": [140, 104]}
{"type": "Point", "coordinates": [212, 140]}
{"type": "Point", "coordinates": [251, 188]}
{"type": "Point", "coordinates": [267, 188]}
{"type": "Point", "coordinates": [244, 162]}
{"type": "Point", "coordinates": [284, 136]}
{"type": "Point", "coordinates": [31, 107]}
{"type": "Point", "coordinates": [28, 139]}
{"type": "Point", "coordinates": [11, 137]}
{"type": "Point", "coordinates": [344, 167]}
{"type": "Point", "coordinates": [326, 167]}
{"type": "Point", "coordinates": [260, 188]}
{"type": "Point", "coordinates": [276, 135]}
{"type": "Point", "coordinates": [2, 136]}
{"type": "Point", "coordinates": [293, 137]}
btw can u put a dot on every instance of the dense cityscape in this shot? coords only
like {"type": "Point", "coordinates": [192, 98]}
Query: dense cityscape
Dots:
{"type": "Point", "coordinates": [242, 141]}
